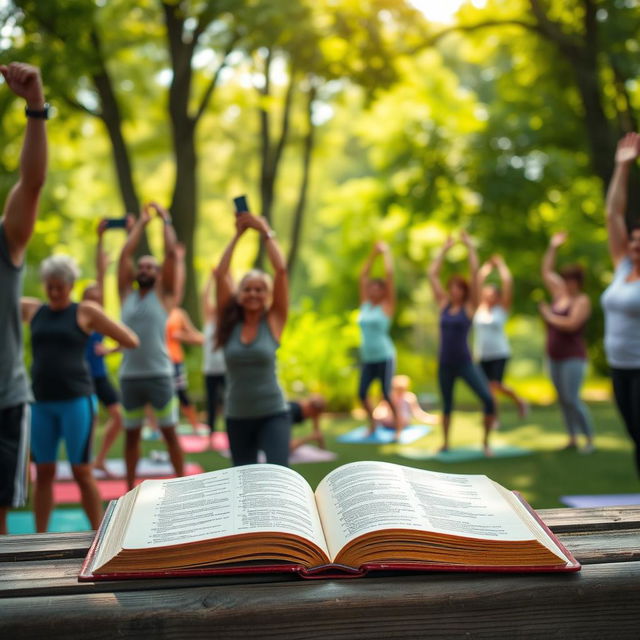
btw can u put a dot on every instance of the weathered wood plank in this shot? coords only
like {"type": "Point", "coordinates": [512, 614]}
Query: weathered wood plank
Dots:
{"type": "Point", "coordinates": [59, 576]}
{"type": "Point", "coordinates": [597, 519]}
{"type": "Point", "coordinates": [602, 601]}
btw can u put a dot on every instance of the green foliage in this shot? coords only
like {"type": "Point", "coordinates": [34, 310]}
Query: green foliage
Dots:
{"type": "Point", "coordinates": [319, 355]}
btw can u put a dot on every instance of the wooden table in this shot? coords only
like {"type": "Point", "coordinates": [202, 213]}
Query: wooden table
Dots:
{"type": "Point", "coordinates": [40, 597]}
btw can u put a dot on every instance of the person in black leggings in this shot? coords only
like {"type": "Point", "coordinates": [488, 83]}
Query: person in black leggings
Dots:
{"type": "Point", "coordinates": [457, 305]}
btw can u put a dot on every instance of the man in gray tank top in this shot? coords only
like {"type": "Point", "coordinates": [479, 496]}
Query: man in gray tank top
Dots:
{"type": "Point", "coordinates": [146, 374]}
{"type": "Point", "coordinates": [16, 227]}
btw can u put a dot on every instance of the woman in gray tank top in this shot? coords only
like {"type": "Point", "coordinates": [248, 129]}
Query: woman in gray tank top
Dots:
{"type": "Point", "coordinates": [251, 318]}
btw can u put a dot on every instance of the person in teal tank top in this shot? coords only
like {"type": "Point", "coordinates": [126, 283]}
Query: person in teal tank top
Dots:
{"type": "Point", "coordinates": [251, 318]}
{"type": "Point", "coordinates": [377, 353]}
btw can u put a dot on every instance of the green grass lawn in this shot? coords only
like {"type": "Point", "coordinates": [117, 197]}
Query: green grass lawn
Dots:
{"type": "Point", "coordinates": [542, 477]}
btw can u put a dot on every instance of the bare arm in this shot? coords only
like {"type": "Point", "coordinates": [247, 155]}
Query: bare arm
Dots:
{"type": "Point", "coordinates": [387, 259]}
{"type": "Point", "coordinates": [552, 280]}
{"type": "Point", "coordinates": [208, 307]}
{"type": "Point", "coordinates": [126, 274]}
{"type": "Point", "coordinates": [434, 273]}
{"type": "Point", "coordinates": [484, 272]}
{"type": "Point", "coordinates": [92, 318]}
{"type": "Point", "coordinates": [474, 264]}
{"type": "Point", "coordinates": [224, 283]}
{"type": "Point", "coordinates": [102, 261]}
{"type": "Point", "coordinates": [187, 333]}
{"type": "Point", "coordinates": [506, 281]}
{"type": "Point", "coordinates": [365, 271]}
{"type": "Point", "coordinates": [21, 208]}
{"type": "Point", "coordinates": [169, 274]}
{"type": "Point", "coordinates": [29, 308]}
{"type": "Point", "coordinates": [578, 315]}
{"type": "Point", "coordinates": [626, 154]}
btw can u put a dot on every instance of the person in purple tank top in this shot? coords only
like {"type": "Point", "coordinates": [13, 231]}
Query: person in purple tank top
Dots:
{"type": "Point", "coordinates": [457, 304]}
{"type": "Point", "coordinates": [565, 318]}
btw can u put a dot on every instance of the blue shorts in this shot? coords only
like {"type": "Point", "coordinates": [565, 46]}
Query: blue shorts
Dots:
{"type": "Point", "coordinates": [68, 419]}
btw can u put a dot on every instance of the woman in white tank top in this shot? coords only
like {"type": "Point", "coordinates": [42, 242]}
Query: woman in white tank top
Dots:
{"type": "Point", "coordinates": [492, 348]}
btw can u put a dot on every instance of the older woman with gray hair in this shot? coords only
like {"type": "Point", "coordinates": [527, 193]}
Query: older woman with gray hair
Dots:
{"type": "Point", "coordinates": [64, 404]}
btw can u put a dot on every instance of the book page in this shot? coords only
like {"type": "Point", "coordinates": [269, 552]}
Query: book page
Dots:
{"type": "Point", "coordinates": [248, 499]}
{"type": "Point", "coordinates": [371, 496]}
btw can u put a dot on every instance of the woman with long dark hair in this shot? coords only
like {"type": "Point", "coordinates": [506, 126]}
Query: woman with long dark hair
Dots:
{"type": "Point", "coordinates": [251, 319]}
{"type": "Point", "coordinates": [457, 304]}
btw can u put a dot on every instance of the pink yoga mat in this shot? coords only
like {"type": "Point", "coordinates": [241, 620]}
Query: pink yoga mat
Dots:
{"type": "Point", "coordinates": [64, 492]}
{"type": "Point", "coordinates": [197, 444]}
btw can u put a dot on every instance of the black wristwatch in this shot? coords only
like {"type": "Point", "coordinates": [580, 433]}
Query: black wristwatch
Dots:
{"type": "Point", "coordinates": [41, 114]}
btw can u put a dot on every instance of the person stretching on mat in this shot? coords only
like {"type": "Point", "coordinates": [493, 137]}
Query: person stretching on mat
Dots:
{"type": "Point", "coordinates": [310, 408]}
{"type": "Point", "coordinates": [565, 319]}
{"type": "Point", "coordinates": [105, 391]}
{"type": "Point", "coordinates": [146, 374]}
{"type": "Point", "coordinates": [490, 339]}
{"type": "Point", "coordinates": [64, 406]}
{"type": "Point", "coordinates": [406, 402]}
{"type": "Point", "coordinates": [621, 299]}
{"type": "Point", "coordinates": [377, 352]}
{"type": "Point", "coordinates": [213, 366]}
{"type": "Point", "coordinates": [16, 227]}
{"type": "Point", "coordinates": [251, 319]}
{"type": "Point", "coordinates": [457, 304]}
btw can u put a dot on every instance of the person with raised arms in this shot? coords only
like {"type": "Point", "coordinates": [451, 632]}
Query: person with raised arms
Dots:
{"type": "Point", "coordinates": [377, 352]}
{"type": "Point", "coordinates": [64, 406]}
{"type": "Point", "coordinates": [490, 338]}
{"type": "Point", "coordinates": [16, 227]}
{"type": "Point", "coordinates": [457, 305]}
{"type": "Point", "coordinates": [565, 319]}
{"type": "Point", "coordinates": [251, 319]}
{"type": "Point", "coordinates": [146, 374]}
{"type": "Point", "coordinates": [621, 299]}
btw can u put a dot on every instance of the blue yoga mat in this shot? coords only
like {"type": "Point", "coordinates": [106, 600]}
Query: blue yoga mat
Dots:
{"type": "Point", "coordinates": [384, 435]}
{"type": "Point", "coordinates": [463, 454]}
{"type": "Point", "coordinates": [604, 500]}
{"type": "Point", "coordinates": [61, 521]}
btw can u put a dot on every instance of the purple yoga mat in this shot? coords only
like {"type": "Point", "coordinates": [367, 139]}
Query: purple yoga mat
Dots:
{"type": "Point", "coordinates": [604, 500]}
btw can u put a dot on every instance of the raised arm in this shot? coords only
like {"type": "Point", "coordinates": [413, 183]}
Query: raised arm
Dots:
{"type": "Point", "coordinates": [207, 305]}
{"type": "Point", "coordinates": [169, 276]}
{"type": "Point", "coordinates": [21, 208]}
{"type": "Point", "coordinates": [506, 281]}
{"type": "Point", "coordinates": [280, 303]}
{"type": "Point", "coordinates": [222, 273]}
{"type": "Point", "coordinates": [366, 270]}
{"type": "Point", "coordinates": [485, 271]}
{"type": "Point", "coordinates": [126, 271]}
{"type": "Point", "coordinates": [434, 273]}
{"type": "Point", "coordinates": [552, 280]}
{"type": "Point", "coordinates": [578, 315]}
{"type": "Point", "coordinates": [102, 261]}
{"type": "Point", "coordinates": [474, 265]}
{"type": "Point", "coordinates": [387, 261]}
{"type": "Point", "coordinates": [626, 154]}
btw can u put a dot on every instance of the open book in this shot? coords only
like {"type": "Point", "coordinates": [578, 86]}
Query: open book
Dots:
{"type": "Point", "coordinates": [363, 516]}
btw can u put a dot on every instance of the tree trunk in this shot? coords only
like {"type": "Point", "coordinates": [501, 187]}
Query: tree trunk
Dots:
{"type": "Point", "coordinates": [298, 214]}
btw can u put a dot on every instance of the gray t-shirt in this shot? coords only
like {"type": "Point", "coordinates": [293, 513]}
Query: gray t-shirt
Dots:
{"type": "Point", "coordinates": [148, 318]}
{"type": "Point", "coordinates": [252, 389]}
{"type": "Point", "coordinates": [14, 384]}
{"type": "Point", "coordinates": [621, 304]}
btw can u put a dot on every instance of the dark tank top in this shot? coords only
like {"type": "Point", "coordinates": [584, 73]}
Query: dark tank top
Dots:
{"type": "Point", "coordinates": [454, 330]}
{"type": "Point", "coordinates": [562, 345]}
{"type": "Point", "coordinates": [59, 370]}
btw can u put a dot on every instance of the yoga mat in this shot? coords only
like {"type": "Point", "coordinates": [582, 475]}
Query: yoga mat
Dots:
{"type": "Point", "coordinates": [603, 500]}
{"type": "Point", "coordinates": [463, 454]}
{"type": "Point", "coordinates": [310, 453]}
{"type": "Point", "coordinates": [197, 444]}
{"type": "Point", "coordinates": [184, 429]}
{"type": "Point", "coordinates": [61, 521]}
{"type": "Point", "coordinates": [303, 454]}
{"type": "Point", "coordinates": [147, 468]}
{"type": "Point", "coordinates": [384, 435]}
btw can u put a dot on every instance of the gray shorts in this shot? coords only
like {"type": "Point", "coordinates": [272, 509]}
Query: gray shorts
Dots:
{"type": "Point", "coordinates": [159, 392]}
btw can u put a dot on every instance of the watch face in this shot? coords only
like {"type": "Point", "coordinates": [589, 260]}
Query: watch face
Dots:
{"type": "Point", "coordinates": [38, 113]}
